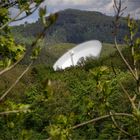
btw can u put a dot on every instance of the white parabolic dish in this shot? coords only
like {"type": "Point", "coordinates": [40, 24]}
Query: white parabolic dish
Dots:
{"type": "Point", "coordinates": [87, 49]}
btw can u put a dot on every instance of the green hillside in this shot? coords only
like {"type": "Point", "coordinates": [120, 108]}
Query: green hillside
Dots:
{"type": "Point", "coordinates": [75, 26]}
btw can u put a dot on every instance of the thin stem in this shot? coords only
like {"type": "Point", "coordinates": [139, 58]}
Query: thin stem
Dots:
{"type": "Point", "coordinates": [35, 8]}
{"type": "Point", "coordinates": [117, 126]}
{"type": "Point", "coordinates": [124, 60]}
{"type": "Point", "coordinates": [100, 118]}
{"type": "Point", "coordinates": [41, 35]}
{"type": "Point", "coordinates": [125, 91]}
{"type": "Point", "coordinates": [12, 66]}
{"type": "Point", "coordinates": [15, 83]}
{"type": "Point", "coordinates": [133, 51]}
{"type": "Point", "coordinates": [15, 18]}
{"type": "Point", "coordinates": [7, 5]}
{"type": "Point", "coordinates": [97, 119]}
{"type": "Point", "coordinates": [119, 11]}
{"type": "Point", "coordinates": [12, 112]}
{"type": "Point", "coordinates": [119, 136]}
{"type": "Point", "coordinates": [127, 94]}
{"type": "Point", "coordinates": [11, 20]}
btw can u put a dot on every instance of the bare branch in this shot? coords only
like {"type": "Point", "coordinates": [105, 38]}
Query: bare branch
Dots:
{"type": "Point", "coordinates": [127, 94]}
{"type": "Point", "coordinates": [35, 8]}
{"type": "Point", "coordinates": [117, 126]}
{"type": "Point", "coordinates": [97, 119]}
{"type": "Point", "coordinates": [12, 112]}
{"type": "Point", "coordinates": [123, 9]}
{"type": "Point", "coordinates": [125, 91]}
{"type": "Point", "coordinates": [119, 136]}
{"type": "Point", "coordinates": [124, 60]}
{"type": "Point", "coordinates": [115, 5]}
{"type": "Point", "coordinates": [100, 118]}
{"type": "Point", "coordinates": [15, 83]}
{"type": "Point", "coordinates": [119, 12]}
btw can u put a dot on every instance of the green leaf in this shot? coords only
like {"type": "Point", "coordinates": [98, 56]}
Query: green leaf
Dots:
{"type": "Point", "coordinates": [7, 62]}
{"type": "Point", "coordinates": [36, 52]}
{"type": "Point", "coordinates": [42, 11]}
{"type": "Point", "coordinates": [52, 18]}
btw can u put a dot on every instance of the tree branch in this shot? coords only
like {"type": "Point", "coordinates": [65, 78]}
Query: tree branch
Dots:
{"type": "Point", "coordinates": [41, 35]}
{"type": "Point", "coordinates": [15, 83]}
{"type": "Point", "coordinates": [12, 112]}
{"type": "Point", "coordinates": [11, 20]}
{"type": "Point", "coordinates": [119, 12]}
{"type": "Point", "coordinates": [7, 5]}
{"type": "Point", "coordinates": [124, 60]}
{"type": "Point", "coordinates": [97, 119]}
{"type": "Point", "coordinates": [127, 94]}
{"type": "Point", "coordinates": [124, 90]}
{"type": "Point", "coordinates": [15, 18]}
{"type": "Point", "coordinates": [117, 126]}
{"type": "Point", "coordinates": [11, 67]}
{"type": "Point", "coordinates": [35, 8]}
{"type": "Point", "coordinates": [100, 118]}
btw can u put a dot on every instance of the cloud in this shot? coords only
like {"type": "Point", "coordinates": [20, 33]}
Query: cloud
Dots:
{"type": "Point", "coordinates": [68, 2]}
{"type": "Point", "coordinates": [104, 6]}
{"type": "Point", "coordinates": [78, 4]}
{"type": "Point", "coordinates": [133, 8]}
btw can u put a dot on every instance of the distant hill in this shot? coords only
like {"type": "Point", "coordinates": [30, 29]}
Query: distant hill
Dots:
{"type": "Point", "coordinates": [75, 26]}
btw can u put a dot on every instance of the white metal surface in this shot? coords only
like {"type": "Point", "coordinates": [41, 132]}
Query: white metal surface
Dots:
{"type": "Point", "coordinates": [90, 48]}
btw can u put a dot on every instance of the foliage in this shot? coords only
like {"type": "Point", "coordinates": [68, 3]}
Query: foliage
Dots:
{"type": "Point", "coordinates": [97, 100]}
{"type": "Point", "coordinates": [9, 51]}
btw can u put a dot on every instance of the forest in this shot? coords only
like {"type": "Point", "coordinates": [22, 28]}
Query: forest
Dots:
{"type": "Point", "coordinates": [95, 100]}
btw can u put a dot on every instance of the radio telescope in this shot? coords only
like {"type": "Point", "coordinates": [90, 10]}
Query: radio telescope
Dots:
{"type": "Point", "coordinates": [87, 49]}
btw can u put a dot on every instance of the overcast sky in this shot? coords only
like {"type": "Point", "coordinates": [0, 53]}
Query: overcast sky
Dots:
{"type": "Point", "coordinates": [104, 6]}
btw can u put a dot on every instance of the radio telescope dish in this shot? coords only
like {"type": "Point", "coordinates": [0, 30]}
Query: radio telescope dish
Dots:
{"type": "Point", "coordinates": [87, 49]}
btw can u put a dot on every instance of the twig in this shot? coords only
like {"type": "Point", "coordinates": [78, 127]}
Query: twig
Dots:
{"type": "Point", "coordinates": [11, 112]}
{"type": "Point", "coordinates": [97, 119]}
{"type": "Point", "coordinates": [14, 84]}
{"type": "Point", "coordinates": [127, 94]}
{"type": "Point", "coordinates": [115, 5]}
{"type": "Point", "coordinates": [7, 5]}
{"type": "Point", "coordinates": [119, 12]}
{"type": "Point", "coordinates": [119, 136]}
{"type": "Point", "coordinates": [11, 20]}
{"type": "Point", "coordinates": [117, 126]}
{"type": "Point", "coordinates": [100, 118]}
{"type": "Point", "coordinates": [124, 60]}
{"type": "Point", "coordinates": [11, 67]}
{"type": "Point", "coordinates": [35, 8]}
{"type": "Point", "coordinates": [15, 18]}
{"type": "Point", "coordinates": [41, 35]}
{"type": "Point", "coordinates": [125, 91]}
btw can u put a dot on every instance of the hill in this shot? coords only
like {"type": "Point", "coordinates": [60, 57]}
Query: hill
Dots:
{"type": "Point", "coordinates": [75, 26]}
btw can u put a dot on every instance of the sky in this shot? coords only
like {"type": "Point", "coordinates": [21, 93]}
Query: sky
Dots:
{"type": "Point", "coordinates": [104, 6]}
